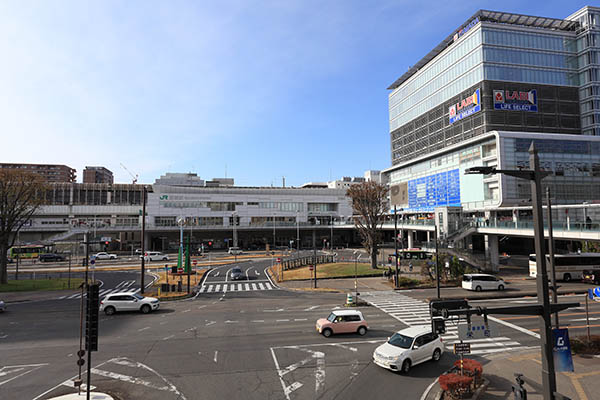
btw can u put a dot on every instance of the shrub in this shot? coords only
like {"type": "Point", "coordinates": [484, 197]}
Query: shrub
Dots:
{"type": "Point", "coordinates": [404, 281]}
{"type": "Point", "coordinates": [455, 385]}
{"type": "Point", "coordinates": [471, 368]}
{"type": "Point", "coordinates": [580, 345]}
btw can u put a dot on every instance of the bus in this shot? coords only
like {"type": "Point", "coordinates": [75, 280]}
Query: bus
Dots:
{"type": "Point", "coordinates": [27, 251]}
{"type": "Point", "coordinates": [567, 266]}
{"type": "Point", "coordinates": [414, 254]}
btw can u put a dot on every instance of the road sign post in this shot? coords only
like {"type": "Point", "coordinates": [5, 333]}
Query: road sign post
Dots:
{"type": "Point", "coordinates": [462, 348]}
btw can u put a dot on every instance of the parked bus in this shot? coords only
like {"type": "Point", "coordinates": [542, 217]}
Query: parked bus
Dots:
{"type": "Point", "coordinates": [27, 251]}
{"type": "Point", "coordinates": [567, 266]}
{"type": "Point", "coordinates": [414, 254]}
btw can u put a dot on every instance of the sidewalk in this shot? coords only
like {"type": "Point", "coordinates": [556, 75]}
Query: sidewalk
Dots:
{"type": "Point", "coordinates": [583, 384]}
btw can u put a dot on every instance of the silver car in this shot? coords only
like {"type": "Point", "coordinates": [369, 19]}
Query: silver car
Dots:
{"type": "Point", "coordinates": [2, 306]}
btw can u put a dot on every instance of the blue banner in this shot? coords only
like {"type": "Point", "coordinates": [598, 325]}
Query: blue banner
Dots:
{"type": "Point", "coordinates": [561, 347]}
{"type": "Point", "coordinates": [515, 100]}
{"type": "Point", "coordinates": [428, 192]}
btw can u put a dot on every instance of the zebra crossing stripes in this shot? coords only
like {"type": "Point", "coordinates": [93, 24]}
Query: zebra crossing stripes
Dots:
{"type": "Point", "coordinates": [122, 287]}
{"type": "Point", "coordinates": [413, 312]}
{"type": "Point", "coordinates": [236, 287]}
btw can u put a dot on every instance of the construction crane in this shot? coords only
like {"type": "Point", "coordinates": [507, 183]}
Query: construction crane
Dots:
{"type": "Point", "coordinates": [135, 177]}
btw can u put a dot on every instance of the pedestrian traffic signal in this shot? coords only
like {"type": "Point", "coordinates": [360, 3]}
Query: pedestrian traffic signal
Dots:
{"type": "Point", "coordinates": [438, 325]}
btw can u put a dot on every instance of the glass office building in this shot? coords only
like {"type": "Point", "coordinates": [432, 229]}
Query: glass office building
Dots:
{"type": "Point", "coordinates": [498, 73]}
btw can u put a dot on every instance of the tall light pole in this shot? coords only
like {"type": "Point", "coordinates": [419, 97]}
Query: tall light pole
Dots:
{"type": "Point", "coordinates": [551, 255]}
{"type": "Point", "coordinates": [143, 272]}
{"type": "Point", "coordinates": [274, 241]}
{"type": "Point", "coordinates": [234, 219]}
{"type": "Point", "coordinates": [298, 230]}
{"type": "Point", "coordinates": [331, 241]}
{"type": "Point", "coordinates": [396, 243]}
{"type": "Point", "coordinates": [181, 223]}
{"type": "Point", "coordinates": [356, 275]}
{"type": "Point", "coordinates": [535, 176]}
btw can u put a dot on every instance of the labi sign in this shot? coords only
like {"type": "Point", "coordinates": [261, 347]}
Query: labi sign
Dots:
{"type": "Point", "coordinates": [513, 100]}
{"type": "Point", "coordinates": [465, 107]}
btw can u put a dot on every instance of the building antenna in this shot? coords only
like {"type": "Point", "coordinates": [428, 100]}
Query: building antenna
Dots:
{"type": "Point", "coordinates": [225, 170]}
{"type": "Point", "coordinates": [283, 178]}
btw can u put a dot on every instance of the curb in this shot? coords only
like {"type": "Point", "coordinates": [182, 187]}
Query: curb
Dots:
{"type": "Point", "coordinates": [511, 295]}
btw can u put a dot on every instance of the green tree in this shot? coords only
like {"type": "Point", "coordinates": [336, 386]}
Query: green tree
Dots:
{"type": "Point", "coordinates": [369, 204]}
{"type": "Point", "coordinates": [21, 195]}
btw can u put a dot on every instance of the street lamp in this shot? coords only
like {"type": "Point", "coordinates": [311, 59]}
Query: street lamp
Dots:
{"type": "Point", "coordinates": [331, 241]}
{"type": "Point", "coordinates": [535, 176]}
{"type": "Point", "coordinates": [181, 223]}
{"type": "Point", "coordinates": [234, 217]}
{"type": "Point", "coordinates": [274, 241]}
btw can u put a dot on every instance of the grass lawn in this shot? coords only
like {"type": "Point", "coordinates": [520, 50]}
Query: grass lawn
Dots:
{"type": "Point", "coordinates": [334, 270]}
{"type": "Point", "coordinates": [26, 285]}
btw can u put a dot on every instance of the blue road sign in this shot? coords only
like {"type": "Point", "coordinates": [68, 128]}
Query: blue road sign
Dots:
{"type": "Point", "coordinates": [594, 292]}
{"type": "Point", "coordinates": [561, 347]}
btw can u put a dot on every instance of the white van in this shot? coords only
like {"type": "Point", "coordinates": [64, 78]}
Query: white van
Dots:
{"type": "Point", "coordinates": [155, 256]}
{"type": "Point", "coordinates": [235, 251]}
{"type": "Point", "coordinates": [479, 282]}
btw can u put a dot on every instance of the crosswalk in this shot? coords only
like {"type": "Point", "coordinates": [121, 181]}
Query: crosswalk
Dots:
{"type": "Point", "coordinates": [122, 287]}
{"type": "Point", "coordinates": [236, 287]}
{"type": "Point", "coordinates": [413, 312]}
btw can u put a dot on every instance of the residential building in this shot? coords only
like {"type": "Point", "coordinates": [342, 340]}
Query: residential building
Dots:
{"type": "Point", "coordinates": [97, 175]}
{"type": "Point", "coordinates": [49, 172]}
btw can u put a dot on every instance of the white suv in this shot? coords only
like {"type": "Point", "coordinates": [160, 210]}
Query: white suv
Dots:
{"type": "Point", "coordinates": [128, 302]}
{"type": "Point", "coordinates": [409, 347]}
{"type": "Point", "coordinates": [479, 282]}
{"type": "Point", "coordinates": [155, 256]}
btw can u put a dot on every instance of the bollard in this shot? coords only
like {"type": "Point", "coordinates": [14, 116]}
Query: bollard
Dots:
{"type": "Point", "coordinates": [349, 299]}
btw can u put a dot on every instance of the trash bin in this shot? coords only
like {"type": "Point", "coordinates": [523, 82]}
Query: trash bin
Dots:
{"type": "Point", "coordinates": [349, 299]}
{"type": "Point", "coordinates": [164, 287]}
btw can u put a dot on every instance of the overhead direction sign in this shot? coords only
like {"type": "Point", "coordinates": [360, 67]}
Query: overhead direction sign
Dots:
{"type": "Point", "coordinates": [594, 294]}
{"type": "Point", "coordinates": [475, 331]}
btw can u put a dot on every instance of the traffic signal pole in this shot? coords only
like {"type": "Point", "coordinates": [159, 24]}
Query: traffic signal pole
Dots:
{"type": "Point", "coordinates": [143, 240]}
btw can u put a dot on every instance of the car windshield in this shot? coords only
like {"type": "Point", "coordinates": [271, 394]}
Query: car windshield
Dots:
{"type": "Point", "coordinates": [331, 317]}
{"type": "Point", "coordinates": [138, 296]}
{"type": "Point", "coordinates": [236, 270]}
{"type": "Point", "coordinates": [401, 341]}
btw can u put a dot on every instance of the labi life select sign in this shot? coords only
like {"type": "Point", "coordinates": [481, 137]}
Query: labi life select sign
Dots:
{"type": "Point", "coordinates": [465, 107]}
{"type": "Point", "coordinates": [514, 100]}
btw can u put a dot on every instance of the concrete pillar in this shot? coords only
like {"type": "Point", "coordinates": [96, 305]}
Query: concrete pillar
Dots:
{"type": "Point", "coordinates": [147, 242]}
{"type": "Point", "coordinates": [428, 236]}
{"type": "Point", "coordinates": [491, 249]}
{"type": "Point", "coordinates": [410, 239]}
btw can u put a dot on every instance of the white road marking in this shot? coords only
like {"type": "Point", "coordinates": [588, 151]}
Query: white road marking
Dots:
{"type": "Point", "coordinates": [239, 288]}
{"type": "Point", "coordinates": [216, 352]}
{"type": "Point", "coordinates": [282, 320]}
{"type": "Point", "coordinates": [258, 320]}
{"type": "Point", "coordinates": [310, 308]}
{"type": "Point", "coordinates": [247, 286]}
{"type": "Point", "coordinates": [143, 329]}
{"type": "Point", "coordinates": [199, 307]}
{"type": "Point", "coordinates": [254, 286]}
{"type": "Point", "coordinates": [231, 322]}
{"type": "Point", "coordinates": [278, 310]}
{"type": "Point", "coordinates": [261, 286]}
{"type": "Point", "coordinates": [268, 285]}
{"type": "Point", "coordinates": [257, 273]}
{"type": "Point", "coordinates": [218, 288]}
{"type": "Point", "coordinates": [300, 319]}
{"type": "Point", "coordinates": [520, 329]}
{"type": "Point", "coordinates": [354, 349]}
{"type": "Point", "coordinates": [217, 274]}
{"type": "Point", "coordinates": [211, 323]}
{"type": "Point", "coordinates": [169, 337]}
{"type": "Point", "coordinates": [188, 310]}
{"type": "Point", "coordinates": [127, 378]}
{"type": "Point", "coordinates": [10, 369]}
{"type": "Point", "coordinates": [286, 389]}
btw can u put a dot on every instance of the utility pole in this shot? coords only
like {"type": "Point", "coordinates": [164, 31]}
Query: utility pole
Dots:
{"type": "Point", "coordinates": [314, 240]}
{"type": "Point", "coordinates": [548, 372]}
{"type": "Point", "coordinates": [437, 263]}
{"type": "Point", "coordinates": [298, 231]}
{"type": "Point", "coordinates": [551, 255]}
{"type": "Point", "coordinates": [143, 240]}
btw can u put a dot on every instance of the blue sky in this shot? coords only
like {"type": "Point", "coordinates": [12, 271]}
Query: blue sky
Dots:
{"type": "Point", "coordinates": [254, 90]}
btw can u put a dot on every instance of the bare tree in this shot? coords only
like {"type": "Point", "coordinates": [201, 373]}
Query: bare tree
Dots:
{"type": "Point", "coordinates": [21, 194]}
{"type": "Point", "coordinates": [369, 204]}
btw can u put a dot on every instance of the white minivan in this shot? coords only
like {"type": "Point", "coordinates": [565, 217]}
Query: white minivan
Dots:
{"type": "Point", "coordinates": [479, 282]}
{"type": "Point", "coordinates": [234, 251]}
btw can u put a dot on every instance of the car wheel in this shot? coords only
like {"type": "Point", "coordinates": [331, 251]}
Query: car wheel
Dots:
{"type": "Point", "coordinates": [406, 366]}
{"type": "Point", "coordinates": [501, 287]}
{"type": "Point", "coordinates": [109, 310]}
{"type": "Point", "coordinates": [478, 288]}
{"type": "Point", "coordinates": [362, 331]}
{"type": "Point", "coordinates": [437, 354]}
{"type": "Point", "coordinates": [567, 277]}
{"type": "Point", "coordinates": [327, 332]}
{"type": "Point", "coordinates": [145, 309]}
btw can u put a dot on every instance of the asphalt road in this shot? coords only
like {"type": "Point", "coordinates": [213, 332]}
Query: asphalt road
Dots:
{"type": "Point", "coordinates": [254, 344]}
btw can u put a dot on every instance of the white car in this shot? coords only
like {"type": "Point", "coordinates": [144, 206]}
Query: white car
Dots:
{"type": "Point", "coordinates": [155, 256]}
{"type": "Point", "coordinates": [479, 282]}
{"type": "Point", "coordinates": [2, 306]}
{"type": "Point", "coordinates": [127, 301]}
{"type": "Point", "coordinates": [105, 256]}
{"type": "Point", "coordinates": [234, 251]}
{"type": "Point", "coordinates": [409, 347]}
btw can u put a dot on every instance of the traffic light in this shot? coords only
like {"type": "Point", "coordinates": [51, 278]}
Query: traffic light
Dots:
{"type": "Point", "coordinates": [106, 243]}
{"type": "Point", "coordinates": [389, 259]}
{"type": "Point", "coordinates": [210, 244]}
{"type": "Point", "coordinates": [438, 325]}
{"type": "Point", "coordinates": [91, 318]}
